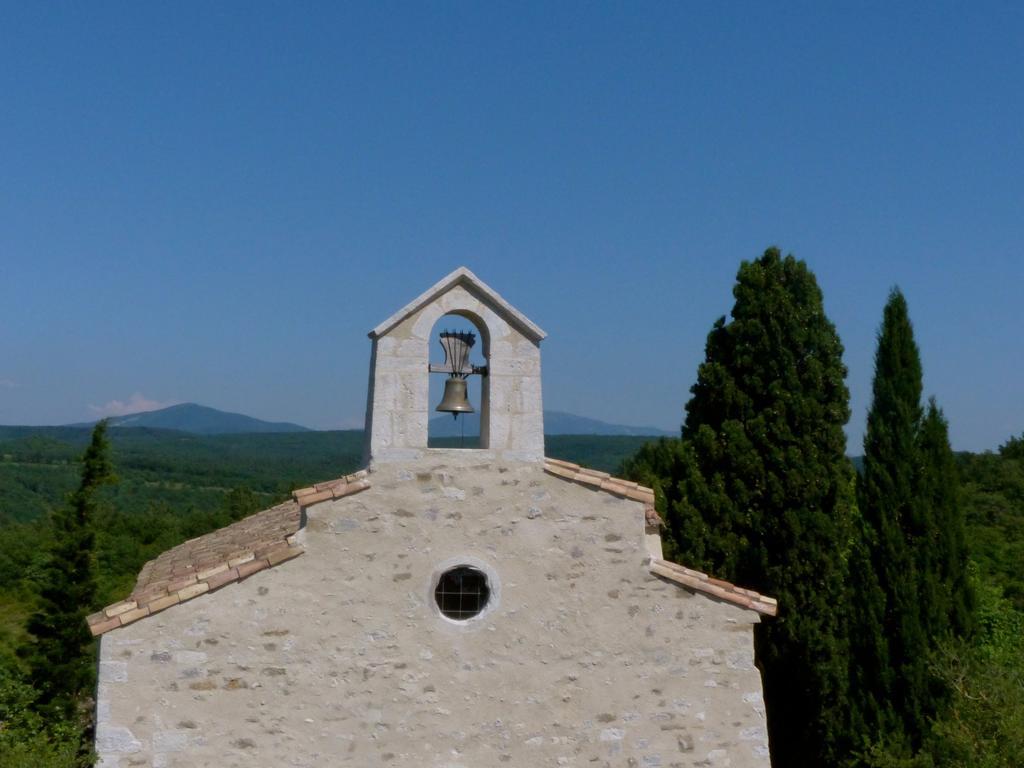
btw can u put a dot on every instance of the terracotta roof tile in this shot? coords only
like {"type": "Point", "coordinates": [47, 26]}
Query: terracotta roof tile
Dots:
{"type": "Point", "coordinates": [280, 554]}
{"type": "Point", "coordinates": [99, 626]}
{"type": "Point", "coordinates": [602, 481]}
{"type": "Point", "coordinates": [220, 578]}
{"type": "Point", "coordinates": [129, 616]}
{"type": "Point", "coordinates": [194, 590]}
{"type": "Point", "coordinates": [161, 603]}
{"type": "Point", "coordinates": [227, 555]}
{"type": "Point", "coordinates": [201, 565]}
{"type": "Point", "coordinates": [118, 608]}
{"type": "Point", "coordinates": [206, 573]}
{"type": "Point", "coordinates": [313, 498]}
{"type": "Point", "coordinates": [253, 566]}
{"type": "Point", "coordinates": [701, 582]}
{"type": "Point", "coordinates": [687, 577]}
{"type": "Point", "coordinates": [332, 489]}
{"type": "Point", "coordinates": [240, 558]}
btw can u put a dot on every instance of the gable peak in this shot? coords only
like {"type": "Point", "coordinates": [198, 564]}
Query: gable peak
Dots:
{"type": "Point", "coordinates": [463, 276]}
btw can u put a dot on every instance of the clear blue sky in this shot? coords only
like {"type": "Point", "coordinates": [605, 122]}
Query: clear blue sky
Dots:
{"type": "Point", "coordinates": [214, 202]}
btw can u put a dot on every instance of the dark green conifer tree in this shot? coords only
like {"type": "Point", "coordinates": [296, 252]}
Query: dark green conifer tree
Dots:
{"type": "Point", "coordinates": [870, 712]}
{"type": "Point", "coordinates": [908, 497]}
{"type": "Point", "coordinates": [761, 493]}
{"type": "Point", "coordinates": [887, 499]}
{"type": "Point", "coordinates": [953, 608]}
{"type": "Point", "coordinates": [60, 652]}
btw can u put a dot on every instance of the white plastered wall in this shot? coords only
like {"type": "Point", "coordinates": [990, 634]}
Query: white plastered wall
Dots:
{"type": "Point", "coordinates": [341, 658]}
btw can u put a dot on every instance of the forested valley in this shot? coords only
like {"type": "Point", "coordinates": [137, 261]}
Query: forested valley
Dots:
{"type": "Point", "coordinates": [900, 637]}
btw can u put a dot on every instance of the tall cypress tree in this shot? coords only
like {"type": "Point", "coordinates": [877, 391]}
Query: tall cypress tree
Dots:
{"type": "Point", "coordinates": [908, 497]}
{"type": "Point", "coordinates": [870, 711]}
{"type": "Point", "coordinates": [953, 608]}
{"type": "Point", "coordinates": [887, 499]}
{"type": "Point", "coordinates": [762, 491]}
{"type": "Point", "coordinates": [60, 654]}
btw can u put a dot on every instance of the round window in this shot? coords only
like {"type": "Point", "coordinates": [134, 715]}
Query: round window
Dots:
{"type": "Point", "coordinates": [462, 592]}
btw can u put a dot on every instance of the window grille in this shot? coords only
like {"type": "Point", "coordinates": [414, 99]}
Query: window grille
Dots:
{"type": "Point", "coordinates": [462, 592]}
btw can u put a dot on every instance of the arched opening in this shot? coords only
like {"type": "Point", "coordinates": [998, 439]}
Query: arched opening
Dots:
{"type": "Point", "coordinates": [466, 430]}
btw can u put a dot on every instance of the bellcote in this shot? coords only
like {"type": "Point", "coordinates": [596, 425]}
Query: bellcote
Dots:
{"type": "Point", "coordinates": [398, 410]}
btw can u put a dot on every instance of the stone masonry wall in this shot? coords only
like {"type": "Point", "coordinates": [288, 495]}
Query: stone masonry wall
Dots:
{"type": "Point", "coordinates": [339, 657]}
{"type": "Point", "coordinates": [398, 407]}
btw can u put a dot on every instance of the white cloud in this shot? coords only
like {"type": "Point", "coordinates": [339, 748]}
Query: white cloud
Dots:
{"type": "Point", "coordinates": [8, 384]}
{"type": "Point", "coordinates": [137, 403]}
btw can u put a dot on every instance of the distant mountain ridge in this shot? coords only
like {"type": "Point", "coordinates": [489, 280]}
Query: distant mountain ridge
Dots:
{"type": "Point", "coordinates": [555, 423]}
{"type": "Point", "coordinates": [203, 420]}
{"type": "Point", "coordinates": [199, 420]}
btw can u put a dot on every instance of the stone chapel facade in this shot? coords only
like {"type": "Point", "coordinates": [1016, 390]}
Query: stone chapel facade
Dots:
{"type": "Point", "coordinates": [440, 608]}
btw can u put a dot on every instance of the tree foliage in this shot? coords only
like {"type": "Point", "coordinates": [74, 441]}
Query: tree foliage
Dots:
{"type": "Point", "coordinates": [60, 654]}
{"type": "Point", "coordinates": [948, 595]}
{"type": "Point", "coordinates": [981, 723]}
{"type": "Point", "coordinates": [913, 591]}
{"type": "Point", "coordinates": [758, 490]}
{"type": "Point", "coordinates": [27, 738]}
{"type": "Point", "coordinates": [894, 516]}
{"type": "Point", "coordinates": [993, 500]}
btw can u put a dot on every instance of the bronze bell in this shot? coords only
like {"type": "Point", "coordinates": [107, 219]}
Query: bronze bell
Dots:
{"type": "Point", "coordinates": [455, 400]}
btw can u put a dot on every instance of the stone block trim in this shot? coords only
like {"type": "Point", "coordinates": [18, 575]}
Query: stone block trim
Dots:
{"type": "Point", "coordinates": [602, 481]}
{"type": "Point", "coordinates": [461, 276]}
{"type": "Point", "coordinates": [701, 582]}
